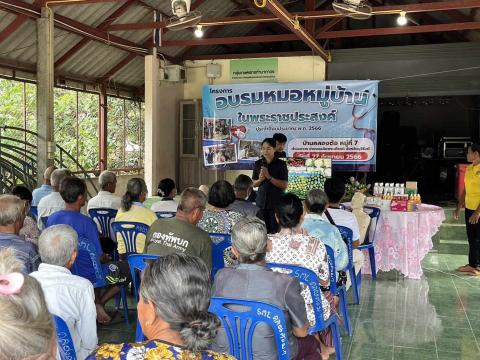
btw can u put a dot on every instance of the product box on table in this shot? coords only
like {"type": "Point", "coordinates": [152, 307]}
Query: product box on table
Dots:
{"type": "Point", "coordinates": [399, 205]}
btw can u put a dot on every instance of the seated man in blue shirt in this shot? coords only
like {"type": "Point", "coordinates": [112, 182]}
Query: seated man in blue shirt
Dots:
{"type": "Point", "coordinates": [12, 215]}
{"type": "Point", "coordinates": [73, 191]}
{"type": "Point", "coordinates": [45, 189]}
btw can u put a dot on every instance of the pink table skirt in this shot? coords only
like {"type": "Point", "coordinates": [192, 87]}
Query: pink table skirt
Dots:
{"type": "Point", "coordinates": [402, 240]}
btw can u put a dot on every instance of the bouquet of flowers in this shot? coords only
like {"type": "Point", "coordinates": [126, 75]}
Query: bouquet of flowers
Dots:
{"type": "Point", "coordinates": [352, 186]}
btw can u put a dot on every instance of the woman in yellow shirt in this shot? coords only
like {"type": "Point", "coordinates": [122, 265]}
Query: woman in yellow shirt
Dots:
{"type": "Point", "coordinates": [133, 210]}
{"type": "Point", "coordinates": [470, 199]}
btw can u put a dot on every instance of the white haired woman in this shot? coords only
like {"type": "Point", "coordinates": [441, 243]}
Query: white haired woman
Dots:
{"type": "Point", "coordinates": [252, 280]}
{"type": "Point", "coordinates": [173, 312]}
{"type": "Point", "coordinates": [26, 327]}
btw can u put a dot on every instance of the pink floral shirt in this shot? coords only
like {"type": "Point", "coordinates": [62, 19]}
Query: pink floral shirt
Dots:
{"type": "Point", "coordinates": [306, 251]}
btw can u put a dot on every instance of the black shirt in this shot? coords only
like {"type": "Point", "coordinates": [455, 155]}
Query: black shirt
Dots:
{"type": "Point", "coordinates": [280, 154]}
{"type": "Point", "coordinates": [268, 194]}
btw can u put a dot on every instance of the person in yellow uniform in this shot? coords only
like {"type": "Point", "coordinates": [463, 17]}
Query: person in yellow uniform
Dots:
{"type": "Point", "coordinates": [470, 199]}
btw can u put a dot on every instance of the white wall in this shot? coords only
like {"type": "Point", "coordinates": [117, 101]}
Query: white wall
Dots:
{"type": "Point", "coordinates": [161, 125]}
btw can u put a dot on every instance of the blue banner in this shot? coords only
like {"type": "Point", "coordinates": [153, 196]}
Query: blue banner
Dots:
{"type": "Point", "coordinates": [329, 119]}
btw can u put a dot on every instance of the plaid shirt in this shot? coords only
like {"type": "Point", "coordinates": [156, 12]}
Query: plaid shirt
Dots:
{"type": "Point", "coordinates": [25, 251]}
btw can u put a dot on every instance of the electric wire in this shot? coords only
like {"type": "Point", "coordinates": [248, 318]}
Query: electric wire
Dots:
{"type": "Point", "coordinates": [431, 73]}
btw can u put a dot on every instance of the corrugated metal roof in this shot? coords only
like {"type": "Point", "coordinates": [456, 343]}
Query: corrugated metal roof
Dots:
{"type": "Point", "coordinates": [96, 59]}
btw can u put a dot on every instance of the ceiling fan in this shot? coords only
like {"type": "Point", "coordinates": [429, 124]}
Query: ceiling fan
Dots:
{"type": "Point", "coordinates": [182, 17]}
{"type": "Point", "coordinates": [355, 9]}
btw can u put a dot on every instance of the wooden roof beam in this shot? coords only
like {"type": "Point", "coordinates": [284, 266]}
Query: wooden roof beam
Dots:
{"type": "Point", "coordinates": [318, 14]}
{"type": "Point", "coordinates": [33, 11]}
{"type": "Point", "coordinates": [12, 27]}
{"type": "Point", "coordinates": [293, 24]}
{"type": "Point", "coordinates": [473, 25]}
{"type": "Point", "coordinates": [103, 26]}
{"type": "Point", "coordinates": [75, 2]}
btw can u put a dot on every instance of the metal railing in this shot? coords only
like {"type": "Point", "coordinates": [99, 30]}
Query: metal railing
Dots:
{"type": "Point", "coordinates": [18, 160]}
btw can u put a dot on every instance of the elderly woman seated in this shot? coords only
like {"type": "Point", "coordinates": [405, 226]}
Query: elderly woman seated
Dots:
{"type": "Point", "coordinates": [218, 218]}
{"type": "Point", "coordinates": [167, 190]}
{"type": "Point", "coordinates": [252, 280]}
{"type": "Point", "coordinates": [316, 202]}
{"type": "Point", "coordinates": [133, 210]}
{"type": "Point", "coordinates": [29, 230]}
{"type": "Point", "coordinates": [173, 313]}
{"type": "Point", "coordinates": [292, 245]}
{"type": "Point", "coordinates": [26, 327]}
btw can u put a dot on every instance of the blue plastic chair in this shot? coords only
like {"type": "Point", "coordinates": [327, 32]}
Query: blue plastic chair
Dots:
{"type": "Point", "coordinates": [137, 263]}
{"type": "Point", "coordinates": [165, 214]}
{"type": "Point", "coordinates": [104, 217]}
{"type": "Point", "coordinates": [129, 232]}
{"type": "Point", "coordinates": [240, 325]}
{"type": "Point", "coordinates": [310, 279]}
{"type": "Point", "coordinates": [339, 291]}
{"type": "Point", "coordinates": [369, 245]}
{"type": "Point", "coordinates": [220, 242]}
{"type": "Point", "coordinates": [65, 345]}
{"type": "Point", "coordinates": [34, 212]}
{"type": "Point", "coordinates": [44, 221]}
{"type": "Point", "coordinates": [84, 245]}
{"type": "Point", "coordinates": [347, 235]}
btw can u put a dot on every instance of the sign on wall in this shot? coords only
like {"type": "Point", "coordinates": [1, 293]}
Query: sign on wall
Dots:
{"type": "Point", "coordinates": [331, 119]}
{"type": "Point", "coordinates": [254, 70]}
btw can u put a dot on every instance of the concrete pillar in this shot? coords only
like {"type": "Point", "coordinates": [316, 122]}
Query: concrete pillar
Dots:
{"type": "Point", "coordinates": [45, 83]}
{"type": "Point", "coordinates": [102, 127]}
{"type": "Point", "coordinates": [161, 125]}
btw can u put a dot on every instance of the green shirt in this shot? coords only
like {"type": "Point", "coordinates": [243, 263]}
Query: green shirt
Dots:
{"type": "Point", "coordinates": [169, 236]}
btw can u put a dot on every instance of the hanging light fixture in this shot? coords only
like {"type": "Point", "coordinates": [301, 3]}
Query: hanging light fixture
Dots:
{"type": "Point", "coordinates": [198, 32]}
{"type": "Point", "coordinates": [402, 19]}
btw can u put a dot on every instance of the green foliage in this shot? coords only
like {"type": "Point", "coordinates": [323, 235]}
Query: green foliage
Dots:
{"type": "Point", "coordinates": [77, 135]}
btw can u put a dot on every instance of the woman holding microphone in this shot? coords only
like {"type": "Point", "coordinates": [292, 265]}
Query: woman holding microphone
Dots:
{"type": "Point", "coordinates": [270, 175]}
{"type": "Point", "coordinates": [471, 200]}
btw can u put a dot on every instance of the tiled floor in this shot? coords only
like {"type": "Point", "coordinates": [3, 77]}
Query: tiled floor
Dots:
{"type": "Point", "coordinates": [437, 317]}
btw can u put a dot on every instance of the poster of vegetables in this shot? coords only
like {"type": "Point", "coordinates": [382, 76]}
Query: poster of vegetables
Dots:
{"type": "Point", "coordinates": [306, 174]}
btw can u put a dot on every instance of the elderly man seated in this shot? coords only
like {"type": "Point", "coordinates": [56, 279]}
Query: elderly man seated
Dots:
{"type": "Point", "coordinates": [74, 192]}
{"type": "Point", "coordinates": [69, 296]}
{"type": "Point", "coordinates": [243, 188]}
{"type": "Point", "coordinates": [12, 216]}
{"type": "Point", "coordinates": [105, 197]}
{"type": "Point", "coordinates": [252, 280]}
{"type": "Point", "coordinates": [53, 202]}
{"type": "Point", "coordinates": [44, 190]}
{"type": "Point", "coordinates": [180, 234]}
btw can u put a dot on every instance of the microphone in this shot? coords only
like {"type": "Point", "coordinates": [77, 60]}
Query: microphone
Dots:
{"type": "Point", "coordinates": [264, 161]}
